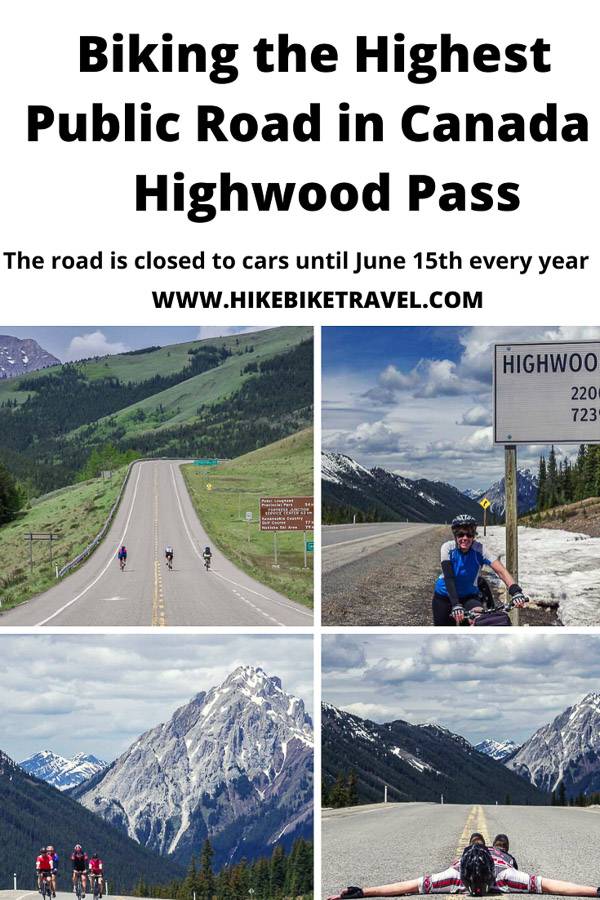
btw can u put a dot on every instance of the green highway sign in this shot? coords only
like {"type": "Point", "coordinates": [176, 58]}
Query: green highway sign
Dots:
{"type": "Point", "coordinates": [206, 462]}
{"type": "Point", "coordinates": [310, 546]}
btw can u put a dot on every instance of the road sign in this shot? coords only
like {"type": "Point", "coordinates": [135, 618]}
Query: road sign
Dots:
{"type": "Point", "coordinates": [206, 462]}
{"type": "Point", "coordinates": [310, 546]}
{"type": "Point", "coordinates": [485, 503]}
{"type": "Point", "coordinates": [547, 393]}
{"type": "Point", "coordinates": [286, 513]}
{"type": "Point", "coordinates": [249, 516]}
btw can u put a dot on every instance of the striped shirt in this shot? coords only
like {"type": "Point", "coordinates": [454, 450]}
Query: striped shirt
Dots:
{"type": "Point", "coordinates": [506, 879]}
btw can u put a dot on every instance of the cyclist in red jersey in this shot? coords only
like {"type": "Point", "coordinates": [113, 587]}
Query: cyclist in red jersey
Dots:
{"type": "Point", "coordinates": [43, 866]}
{"type": "Point", "coordinates": [96, 867]}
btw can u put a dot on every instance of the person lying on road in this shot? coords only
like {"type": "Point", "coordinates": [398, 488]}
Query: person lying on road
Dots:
{"type": "Point", "coordinates": [479, 871]}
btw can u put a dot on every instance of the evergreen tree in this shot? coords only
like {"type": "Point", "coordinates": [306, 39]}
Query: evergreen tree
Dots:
{"type": "Point", "coordinates": [277, 874]}
{"type": "Point", "coordinates": [206, 878]}
{"type": "Point", "coordinates": [552, 480]}
{"type": "Point", "coordinates": [562, 794]}
{"type": "Point", "coordinates": [541, 496]}
{"type": "Point", "coordinates": [12, 498]}
{"type": "Point", "coordinates": [352, 788]}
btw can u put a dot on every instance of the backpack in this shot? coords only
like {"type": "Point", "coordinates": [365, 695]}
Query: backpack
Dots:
{"type": "Point", "coordinates": [494, 618]}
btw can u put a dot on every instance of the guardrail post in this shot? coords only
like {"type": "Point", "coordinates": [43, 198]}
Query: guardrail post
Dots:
{"type": "Point", "coordinates": [14, 881]}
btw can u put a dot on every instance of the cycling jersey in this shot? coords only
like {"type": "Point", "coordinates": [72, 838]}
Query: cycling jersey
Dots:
{"type": "Point", "coordinates": [122, 554]}
{"type": "Point", "coordinates": [79, 861]}
{"type": "Point", "coordinates": [168, 551]}
{"type": "Point", "coordinates": [506, 879]}
{"type": "Point", "coordinates": [44, 863]}
{"type": "Point", "coordinates": [466, 568]}
{"type": "Point", "coordinates": [96, 866]}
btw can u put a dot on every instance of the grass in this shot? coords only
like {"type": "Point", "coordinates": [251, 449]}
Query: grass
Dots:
{"type": "Point", "coordinates": [174, 358]}
{"type": "Point", "coordinates": [284, 468]}
{"type": "Point", "coordinates": [75, 513]}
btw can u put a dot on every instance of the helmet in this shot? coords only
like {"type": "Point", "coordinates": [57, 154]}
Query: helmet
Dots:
{"type": "Point", "coordinates": [464, 521]}
{"type": "Point", "coordinates": [477, 870]}
{"type": "Point", "coordinates": [94, 856]}
{"type": "Point", "coordinates": [77, 848]}
{"type": "Point", "coordinates": [50, 848]}
{"type": "Point", "coordinates": [42, 851]}
{"type": "Point", "coordinates": [207, 549]}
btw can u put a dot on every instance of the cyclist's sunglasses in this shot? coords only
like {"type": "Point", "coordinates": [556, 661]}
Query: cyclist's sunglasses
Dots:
{"type": "Point", "coordinates": [461, 534]}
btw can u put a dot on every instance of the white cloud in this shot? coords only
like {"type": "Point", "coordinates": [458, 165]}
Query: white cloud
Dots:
{"type": "Point", "coordinates": [212, 331]}
{"type": "Point", "coordinates": [476, 415]}
{"type": "Point", "coordinates": [368, 437]}
{"type": "Point", "coordinates": [95, 343]}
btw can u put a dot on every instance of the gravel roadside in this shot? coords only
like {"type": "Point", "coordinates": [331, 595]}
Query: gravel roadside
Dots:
{"type": "Point", "coordinates": [394, 587]}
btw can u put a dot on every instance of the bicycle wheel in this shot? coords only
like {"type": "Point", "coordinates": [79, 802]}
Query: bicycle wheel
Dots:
{"type": "Point", "coordinates": [96, 888]}
{"type": "Point", "coordinates": [78, 887]}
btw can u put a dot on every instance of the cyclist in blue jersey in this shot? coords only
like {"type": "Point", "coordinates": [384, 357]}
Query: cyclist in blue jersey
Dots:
{"type": "Point", "coordinates": [456, 590]}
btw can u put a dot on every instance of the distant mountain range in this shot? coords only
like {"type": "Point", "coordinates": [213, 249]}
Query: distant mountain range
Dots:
{"type": "Point", "coordinates": [416, 762]}
{"type": "Point", "coordinates": [62, 773]}
{"type": "Point", "coordinates": [378, 495]}
{"type": "Point", "coordinates": [19, 356]}
{"type": "Point", "coordinates": [498, 750]}
{"type": "Point", "coordinates": [234, 764]}
{"type": "Point", "coordinates": [527, 490]}
{"type": "Point", "coordinates": [33, 813]}
{"type": "Point", "coordinates": [567, 750]}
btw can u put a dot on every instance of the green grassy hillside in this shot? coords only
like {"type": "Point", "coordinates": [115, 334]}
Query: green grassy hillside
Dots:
{"type": "Point", "coordinates": [223, 397]}
{"type": "Point", "coordinates": [284, 468]}
{"type": "Point", "coordinates": [75, 513]}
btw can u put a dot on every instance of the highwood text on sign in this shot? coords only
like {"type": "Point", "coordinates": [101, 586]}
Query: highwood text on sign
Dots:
{"type": "Point", "coordinates": [286, 513]}
{"type": "Point", "coordinates": [547, 393]}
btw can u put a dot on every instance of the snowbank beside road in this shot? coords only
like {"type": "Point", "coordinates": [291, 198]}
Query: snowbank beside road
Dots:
{"type": "Point", "coordinates": [556, 565]}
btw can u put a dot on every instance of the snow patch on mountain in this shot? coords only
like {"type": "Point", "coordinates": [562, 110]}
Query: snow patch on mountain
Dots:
{"type": "Point", "coordinates": [19, 356]}
{"type": "Point", "coordinates": [60, 772]}
{"type": "Point", "coordinates": [497, 749]}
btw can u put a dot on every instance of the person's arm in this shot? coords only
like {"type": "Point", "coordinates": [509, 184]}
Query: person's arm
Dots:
{"type": "Point", "coordinates": [567, 888]}
{"type": "Point", "coordinates": [509, 581]}
{"type": "Point", "coordinates": [449, 580]}
{"type": "Point", "coordinates": [386, 890]}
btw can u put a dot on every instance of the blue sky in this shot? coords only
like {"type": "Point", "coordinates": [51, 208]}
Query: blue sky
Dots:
{"type": "Point", "coordinates": [80, 342]}
{"type": "Point", "coordinates": [482, 686]}
{"type": "Point", "coordinates": [418, 401]}
{"type": "Point", "coordinates": [98, 693]}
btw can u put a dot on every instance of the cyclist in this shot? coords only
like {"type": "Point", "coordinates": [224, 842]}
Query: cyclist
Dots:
{"type": "Point", "coordinates": [501, 843]}
{"type": "Point", "coordinates": [479, 871]}
{"type": "Point", "coordinates": [54, 857]}
{"type": "Point", "coordinates": [456, 590]}
{"type": "Point", "coordinates": [96, 873]}
{"type": "Point", "coordinates": [79, 860]}
{"type": "Point", "coordinates": [43, 867]}
{"type": "Point", "coordinates": [207, 556]}
{"type": "Point", "coordinates": [122, 556]}
{"type": "Point", "coordinates": [169, 556]}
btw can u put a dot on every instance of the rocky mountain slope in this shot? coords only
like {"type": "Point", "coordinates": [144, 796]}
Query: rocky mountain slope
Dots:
{"type": "Point", "coordinates": [566, 750]}
{"type": "Point", "coordinates": [62, 773]}
{"type": "Point", "coordinates": [234, 765]}
{"type": "Point", "coordinates": [33, 812]}
{"type": "Point", "coordinates": [498, 750]}
{"type": "Point", "coordinates": [348, 487]}
{"type": "Point", "coordinates": [416, 762]}
{"type": "Point", "coordinates": [17, 356]}
{"type": "Point", "coordinates": [527, 489]}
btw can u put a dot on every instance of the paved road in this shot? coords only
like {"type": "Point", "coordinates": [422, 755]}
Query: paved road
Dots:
{"type": "Point", "coordinates": [156, 511]}
{"type": "Point", "coordinates": [342, 544]}
{"type": "Point", "coordinates": [380, 844]}
{"type": "Point", "coordinates": [60, 895]}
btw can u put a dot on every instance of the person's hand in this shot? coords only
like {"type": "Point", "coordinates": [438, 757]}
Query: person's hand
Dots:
{"type": "Point", "coordinates": [347, 894]}
{"type": "Point", "coordinates": [458, 614]}
{"type": "Point", "coordinates": [517, 596]}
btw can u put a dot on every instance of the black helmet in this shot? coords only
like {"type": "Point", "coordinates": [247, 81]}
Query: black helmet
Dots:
{"type": "Point", "coordinates": [465, 520]}
{"type": "Point", "coordinates": [477, 870]}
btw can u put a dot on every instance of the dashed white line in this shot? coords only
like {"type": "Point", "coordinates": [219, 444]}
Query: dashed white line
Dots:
{"type": "Point", "coordinates": [98, 577]}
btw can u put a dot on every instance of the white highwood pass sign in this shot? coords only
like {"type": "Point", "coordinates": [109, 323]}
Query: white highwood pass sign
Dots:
{"type": "Point", "coordinates": [547, 393]}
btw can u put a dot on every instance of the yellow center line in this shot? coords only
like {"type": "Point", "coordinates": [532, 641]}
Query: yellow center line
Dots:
{"type": "Point", "coordinates": [476, 821]}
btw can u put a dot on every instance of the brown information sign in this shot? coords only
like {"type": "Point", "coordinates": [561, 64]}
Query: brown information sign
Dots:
{"type": "Point", "coordinates": [287, 513]}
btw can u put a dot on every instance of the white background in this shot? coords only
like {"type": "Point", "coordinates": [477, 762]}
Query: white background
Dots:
{"type": "Point", "coordinates": [79, 197]}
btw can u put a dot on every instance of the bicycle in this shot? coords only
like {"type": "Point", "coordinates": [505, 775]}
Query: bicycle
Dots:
{"type": "Point", "coordinates": [46, 885]}
{"type": "Point", "coordinates": [169, 559]}
{"type": "Point", "coordinates": [96, 879]}
{"type": "Point", "coordinates": [122, 562]}
{"type": "Point", "coordinates": [497, 616]}
{"type": "Point", "coordinates": [79, 885]}
{"type": "Point", "coordinates": [207, 560]}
